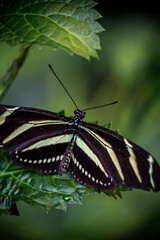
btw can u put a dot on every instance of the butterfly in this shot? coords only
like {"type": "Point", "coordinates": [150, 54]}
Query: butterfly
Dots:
{"type": "Point", "coordinates": [50, 143]}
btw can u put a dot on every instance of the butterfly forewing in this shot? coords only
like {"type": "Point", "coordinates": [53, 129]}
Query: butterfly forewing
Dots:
{"type": "Point", "coordinates": [36, 139]}
{"type": "Point", "coordinates": [16, 121]}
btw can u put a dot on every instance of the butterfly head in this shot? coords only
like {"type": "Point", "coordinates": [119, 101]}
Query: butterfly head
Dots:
{"type": "Point", "coordinates": [79, 114]}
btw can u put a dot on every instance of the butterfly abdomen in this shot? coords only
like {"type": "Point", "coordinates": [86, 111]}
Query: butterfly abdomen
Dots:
{"type": "Point", "coordinates": [64, 164]}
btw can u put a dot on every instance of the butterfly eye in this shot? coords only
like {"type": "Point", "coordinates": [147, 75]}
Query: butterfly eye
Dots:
{"type": "Point", "coordinates": [83, 114]}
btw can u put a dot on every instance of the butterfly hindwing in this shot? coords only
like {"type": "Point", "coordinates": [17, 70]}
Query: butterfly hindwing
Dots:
{"type": "Point", "coordinates": [42, 156]}
{"type": "Point", "coordinates": [91, 165]}
{"type": "Point", "coordinates": [84, 169]}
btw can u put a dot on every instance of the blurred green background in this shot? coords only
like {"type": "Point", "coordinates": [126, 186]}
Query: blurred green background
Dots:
{"type": "Point", "coordinates": [128, 71]}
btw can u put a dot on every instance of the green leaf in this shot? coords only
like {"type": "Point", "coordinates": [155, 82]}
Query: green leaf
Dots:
{"type": "Point", "coordinates": [117, 191]}
{"type": "Point", "coordinates": [62, 112]}
{"type": "Point", "coordinates": [47, 191]}
{"type": "Point", "coordinates": [63, 24]}
{"type": "Point", "coordinates": [108, 125]}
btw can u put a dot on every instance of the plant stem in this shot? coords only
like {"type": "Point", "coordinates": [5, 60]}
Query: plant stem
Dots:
{"type": "Point", "coordinates": [12, 72]}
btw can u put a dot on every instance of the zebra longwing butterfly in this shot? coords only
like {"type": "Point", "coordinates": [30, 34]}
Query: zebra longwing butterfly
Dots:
{"type": "Point", "coordinates": [97, 157]}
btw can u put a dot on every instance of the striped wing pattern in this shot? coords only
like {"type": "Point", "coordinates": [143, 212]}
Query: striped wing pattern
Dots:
{"type": "Point", "coordinates": [107, 159]}
{"type": "Point", "coordinates": [100, 158]}
{"type": "Point", "coordinates": [35, 138]}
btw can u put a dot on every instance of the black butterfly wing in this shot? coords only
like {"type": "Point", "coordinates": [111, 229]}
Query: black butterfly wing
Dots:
{"type": "Point", "coordinates": [103, 159]}
{"type": "Point", "coordinates": [36, 139]}
{"type": "Point", "coordinates": [86, 166]}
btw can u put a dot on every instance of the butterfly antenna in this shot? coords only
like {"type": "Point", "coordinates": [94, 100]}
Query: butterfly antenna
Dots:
{"type": "Point", "coordinates": [63, 86]}
{"type": "Point", "coordinates": [104, 105]}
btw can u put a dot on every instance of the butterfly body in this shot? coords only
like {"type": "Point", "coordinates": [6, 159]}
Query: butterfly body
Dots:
{"type": "Point", "coordinates": [50, 143]}
{"type": "Point", "coordinates": [64, 164]}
